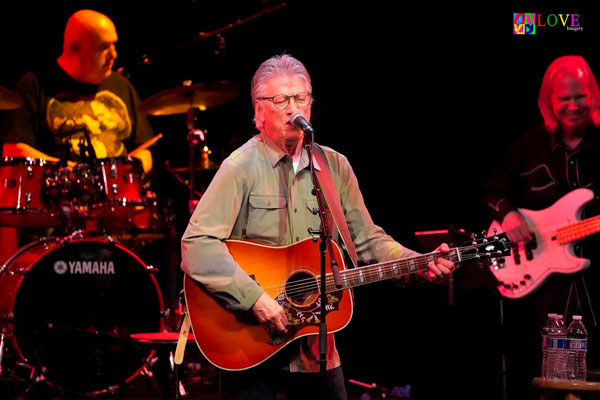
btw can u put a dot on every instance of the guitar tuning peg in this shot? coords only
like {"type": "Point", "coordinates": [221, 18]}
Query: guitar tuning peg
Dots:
{"type": "Point", "coordinates": [495, 264]}
{"type": "Point", "coordinates": [483, 233]}
{"type": "Point", "coordinates": [474, 238]}
{"type": "Point", "coordinates": [495, 230]}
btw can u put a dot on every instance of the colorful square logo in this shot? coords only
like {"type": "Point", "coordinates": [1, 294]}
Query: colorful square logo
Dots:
{"type": "Point", "coordinates": [524, 23]}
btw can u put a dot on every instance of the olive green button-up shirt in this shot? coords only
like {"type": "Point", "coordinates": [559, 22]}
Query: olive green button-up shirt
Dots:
{"type": "Point", "coordinates": [256, 195]}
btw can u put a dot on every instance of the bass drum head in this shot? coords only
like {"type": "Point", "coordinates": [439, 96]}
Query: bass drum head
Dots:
{"type": "Point", "coordinates": [75, 310]}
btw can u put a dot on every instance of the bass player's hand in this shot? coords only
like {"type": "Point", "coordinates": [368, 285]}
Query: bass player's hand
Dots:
{"type": "Point", "coordinates": [516, 227]}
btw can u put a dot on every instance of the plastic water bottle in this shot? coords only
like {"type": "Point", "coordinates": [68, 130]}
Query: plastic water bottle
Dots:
{"type": "Point", "coordinates": [550, 324]}
{"type": "Point", "coordinates": [577, 350]}
{"type": "Point", "coordinates": [561, 347]}
{"type": "Point", "coordinates": [555, 357]}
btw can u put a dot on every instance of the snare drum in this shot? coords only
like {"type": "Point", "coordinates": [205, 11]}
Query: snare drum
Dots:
{"type": "Point", "coordinates": [70, 307]}
{"type": "Point", "coordinates": [122, 187]}
{"type": "Point", "coordinates": [24, 200]}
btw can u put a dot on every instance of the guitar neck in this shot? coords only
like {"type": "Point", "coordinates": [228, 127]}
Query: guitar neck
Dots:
{"type": "Point", "coordinates": [388, 270]}
{"type": "Point", "coordinates": [578, 230]}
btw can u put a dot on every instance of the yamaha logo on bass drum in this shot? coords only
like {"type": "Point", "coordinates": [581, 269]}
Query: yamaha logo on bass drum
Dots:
{"type": "Point", "coordinates": [84, 267]}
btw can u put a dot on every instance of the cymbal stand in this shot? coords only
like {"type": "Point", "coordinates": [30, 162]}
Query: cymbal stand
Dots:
{"type": "Point", "coordinates": [194, 137]}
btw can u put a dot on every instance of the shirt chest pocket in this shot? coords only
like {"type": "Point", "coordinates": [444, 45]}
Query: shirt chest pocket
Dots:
{"type": "Point", "coordinates": [267, 219]}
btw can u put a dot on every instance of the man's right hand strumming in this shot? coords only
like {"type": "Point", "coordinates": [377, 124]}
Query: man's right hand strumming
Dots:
{"type": "Point", "coordinates": [270, 315]}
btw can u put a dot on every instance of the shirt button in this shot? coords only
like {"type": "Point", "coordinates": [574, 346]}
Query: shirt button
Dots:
{"type": "Point", "coordinates": [297, 238]}
{"type": "Point", "coordinates": [295, 210]}
{"type": "Point", "coordinates": [571, 162]}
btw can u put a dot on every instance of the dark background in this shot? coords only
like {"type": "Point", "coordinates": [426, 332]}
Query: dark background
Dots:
{"type": "Point", "coordinates": [424, 101]}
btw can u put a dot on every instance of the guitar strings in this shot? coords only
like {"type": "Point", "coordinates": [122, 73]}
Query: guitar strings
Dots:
{"type": "Point", "coordinates": [300, 286]}
{"type": "Point", "coordinates": [312, 284]}
{"type": "Point", "coordinates": [370, 270]}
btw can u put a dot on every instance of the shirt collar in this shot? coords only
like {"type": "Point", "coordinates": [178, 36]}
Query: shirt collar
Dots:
{"type": "Point", "coordinates": [556, 140]}
{"type": "Point", "coordinates": [275, 154]}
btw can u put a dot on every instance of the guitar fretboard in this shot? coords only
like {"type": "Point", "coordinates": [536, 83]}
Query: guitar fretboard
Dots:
{"type": "Point", "coordinates": [388, 270]}
{"type": "Point", "coordinates": [578, 230]}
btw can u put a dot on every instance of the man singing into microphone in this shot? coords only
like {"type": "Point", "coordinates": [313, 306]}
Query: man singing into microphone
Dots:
{"type": "Point", "coordinates": [263, 192]}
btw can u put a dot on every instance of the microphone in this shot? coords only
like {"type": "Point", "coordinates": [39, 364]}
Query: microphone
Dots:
{"type": "Point", "coordinates": [299, 121]}
{"type": "Point", "coordinates": [68, 128]}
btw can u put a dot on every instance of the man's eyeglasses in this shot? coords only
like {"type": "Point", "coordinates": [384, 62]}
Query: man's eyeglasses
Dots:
{"type": "Point", "coordinates": [281, 101]}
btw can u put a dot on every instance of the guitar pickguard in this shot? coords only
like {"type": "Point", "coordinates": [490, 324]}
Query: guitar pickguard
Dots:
{"type": "Point", "coordinates": [303, 315]}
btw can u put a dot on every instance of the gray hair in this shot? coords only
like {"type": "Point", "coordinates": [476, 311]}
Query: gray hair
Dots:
{"type": "Point", "coordinates": [284, 64]}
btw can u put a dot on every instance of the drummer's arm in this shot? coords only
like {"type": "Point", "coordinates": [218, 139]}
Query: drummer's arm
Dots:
{"type": "Point", "coordinates": [145, 156]}
{"type": "Point", "coordinates": [20, 149]}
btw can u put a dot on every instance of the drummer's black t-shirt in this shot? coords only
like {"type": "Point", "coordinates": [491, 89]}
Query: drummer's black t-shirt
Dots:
{"type": "Point", "coordinates": [57, 108]}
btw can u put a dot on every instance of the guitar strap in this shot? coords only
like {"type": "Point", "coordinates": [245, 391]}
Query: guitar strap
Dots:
{"type": "Point", "coordinates": [332, 201]}
{"type": "Point", "coordinates": [183, 339]}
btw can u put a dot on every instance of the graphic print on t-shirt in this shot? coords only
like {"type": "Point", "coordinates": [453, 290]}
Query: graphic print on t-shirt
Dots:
{"type": "Point", "coordinates": [105, 116]}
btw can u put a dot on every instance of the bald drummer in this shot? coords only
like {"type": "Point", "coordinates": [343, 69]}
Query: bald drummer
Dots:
{"type": "Point", "coordinates": [78, 94]}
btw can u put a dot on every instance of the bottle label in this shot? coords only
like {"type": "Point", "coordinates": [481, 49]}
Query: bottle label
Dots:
{"type": "Point", "coordinates": [577, 344]}
{"type": "Point", "coordinates": [554, 343]}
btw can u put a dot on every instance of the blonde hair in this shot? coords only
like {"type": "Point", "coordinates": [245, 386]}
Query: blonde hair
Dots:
{"type": "Point", "coordinates": [577, 66]}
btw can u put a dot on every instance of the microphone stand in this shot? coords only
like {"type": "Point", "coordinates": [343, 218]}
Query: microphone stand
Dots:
{"type": "Point", "coordinates": [324, 248]}
{"type": "Point", "coordinates": [194, 137]}
{"type": "Point", "coordinates": [87, 152]}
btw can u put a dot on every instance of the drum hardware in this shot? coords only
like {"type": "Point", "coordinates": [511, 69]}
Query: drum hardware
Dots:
{"type": "Point", "coordinates": [191, 99]}
{"type": "Point", "coordinates": [64, 240]}
{"type": "Point", "coordinates": [147, 59]}
{"type": "Point", "coordinates": [152, 269]}
{"type": "Point", "coordinates": [2, 337]}
{"type": "Point", "coordinates": [9, 183]}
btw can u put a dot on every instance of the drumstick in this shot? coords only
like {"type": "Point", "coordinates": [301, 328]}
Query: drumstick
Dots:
{"type": "Point", "coordinates": [146, 144]}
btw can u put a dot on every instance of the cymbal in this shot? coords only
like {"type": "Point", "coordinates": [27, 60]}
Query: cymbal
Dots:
{"type": "Point", "coordinates": [9, 100]}
{"type": "Point", "coordinates": [178, 100]}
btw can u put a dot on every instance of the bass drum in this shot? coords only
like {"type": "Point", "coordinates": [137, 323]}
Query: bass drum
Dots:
{"type": "Point", "coordinates": [71, 306]}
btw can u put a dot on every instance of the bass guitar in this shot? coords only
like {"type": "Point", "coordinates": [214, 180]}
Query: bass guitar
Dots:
{"type": "Point", "coordinates": [556, 230]}
{"type": "Point", "coordinates": [291, 275]}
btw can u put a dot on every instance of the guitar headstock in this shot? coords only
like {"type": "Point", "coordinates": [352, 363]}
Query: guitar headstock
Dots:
{"type": "Point", "coordinates": [493, 248]}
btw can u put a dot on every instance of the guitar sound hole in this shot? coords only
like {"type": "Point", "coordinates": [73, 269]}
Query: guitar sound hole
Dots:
{"type": "Point", "coordinates": [302, 289]}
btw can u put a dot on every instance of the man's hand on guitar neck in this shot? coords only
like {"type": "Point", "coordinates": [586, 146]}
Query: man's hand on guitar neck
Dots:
{"type": "Point", "coordinates": [516, 227]}
{"type": "Point", "coordinates": [440, 270]}
{"type": "Point", "coordinates": [270, 315]}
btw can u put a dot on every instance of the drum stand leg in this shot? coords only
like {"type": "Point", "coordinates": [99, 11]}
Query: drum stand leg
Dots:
{"type": "Point", "coordinates": [179, 388]}
{"type": "Point", "coordinates": [2, 345]}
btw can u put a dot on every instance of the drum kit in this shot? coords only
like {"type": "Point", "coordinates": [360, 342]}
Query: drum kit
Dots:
{"type": "Point", "coordinates": [74, 303]}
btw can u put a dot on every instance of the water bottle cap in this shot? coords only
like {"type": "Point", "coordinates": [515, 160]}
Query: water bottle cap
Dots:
{"type": "Point", "coordinates": [577, 317]}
